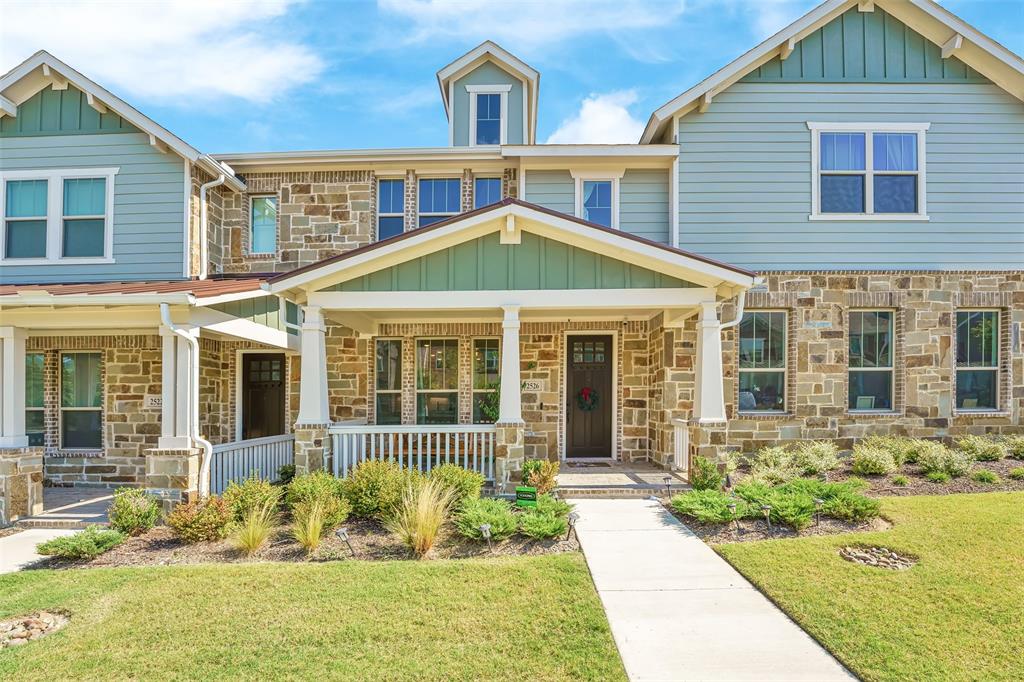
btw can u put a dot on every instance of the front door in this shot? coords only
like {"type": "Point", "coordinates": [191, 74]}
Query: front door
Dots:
{"type": "Point", "coordinates": [262, 395]}
{"type": "Point", "coordinates": [589, 396]}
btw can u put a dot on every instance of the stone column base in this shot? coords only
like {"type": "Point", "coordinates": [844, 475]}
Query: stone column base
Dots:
{"type": "Point", "coordinates": [21, 483]}
{"type": "Point", "coordinates": [709, 440]}
{"type": "Point", "coordinates": [172, 476]}
{"type": "Point", "coordinates": [312, 448]}
{"type": "Point", "coordinates": [509, 453]}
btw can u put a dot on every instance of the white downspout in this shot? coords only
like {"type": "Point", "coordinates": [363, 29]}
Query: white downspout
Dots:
{"type": "Point", "coordinates": [193, 420]}
{"type": "Point", "coordinates": [203, 226]}
{"type": "Point", "coordinates": [740, 304]}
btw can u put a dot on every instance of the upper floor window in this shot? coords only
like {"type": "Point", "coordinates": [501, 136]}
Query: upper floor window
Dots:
{"type": "Point", "coordinates": [263, 219]}
{"type": "Point", "coordinates": [57, 216]}
{"type": "Point", "coordinates": [868, 171]}
{"type": "Point", "coordinates": [977, 359]}
{"type": "Point", "coordinates": [390, 208]}
{"type": "Point", "coordinates": [439, 198]}
{"type": "Point", "coordinates": [763, 361]}
{"type": "Point", "coordinates": [488, 108]}
{"type": "Point", "coordinates": [871, 360]}
{"type": "Point", "coordinates": [486, 191]}
{"type": "Point", "coordinates": [597, 196]}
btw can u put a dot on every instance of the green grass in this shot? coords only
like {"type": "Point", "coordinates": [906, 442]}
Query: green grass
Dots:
{"type": "Point", "coordinates": [957, 615]}
{"type": "Point", "coordinates": [471, 619]}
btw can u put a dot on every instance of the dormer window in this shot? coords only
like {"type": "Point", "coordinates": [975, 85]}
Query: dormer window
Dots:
{"type": "Point", "coordinates": [488, 114]}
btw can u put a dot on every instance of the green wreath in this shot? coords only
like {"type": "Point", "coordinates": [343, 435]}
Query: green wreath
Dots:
{"type": "Point", "coordinates": [587, 399]}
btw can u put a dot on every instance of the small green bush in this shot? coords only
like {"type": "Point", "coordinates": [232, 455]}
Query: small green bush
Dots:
{"type": "Point", "coordinates": [872, 461]}
{"type": "Point", "coordinates": [705, 475]}
{"type": "Point", "coordinates": [903, 450]}
{"type": "Point", "coordinates": [857, 483]}
{"type": "Point", "coordinates": [463, 483]}
{"type": "Point", "coordinates": [478, 511]}
{"type": "Point", "coordinates": [816, 457]}
{"type": "Point", "coordinates": [324, 489]}
{"type": "Point", "coordinates": [87, 544]}
{"type": "Point", "coordinates": [985, 476]}
{"type": "Point", "coordinates": [900, 480]}
{"type": "Point", "coordinates": [285, 473]}
{"type": "Point", "coordinates": [201, 520]}
{"type": "Point", "coordinates": [794, 510]}
{"type": "Point", "coordinates": [983, 449]}
{"type": "Point", "coordinates": [546, 504]}
{"type": "Point", "coordinates": [133, 512]}
{"type": "Point", "coordinates": [375, 487]}
{"type": "Point", "coordinates": [1017, 473]}
{"type": "Point", "coordinates": [851, 507]}
{"type": "Point", "coordinates": [709, 506]}
{"type": "Point", "coordinates": [774, 464]}
{"type": "Point", "coordinates": [952, 462]}
{"type": "Point", "coordinates": [541, 526]}
{"type": "Point", "coordinates": [755, 493]}
{"type": "Point", "coordinates": [937, 476]}
{"type": "Point", "coordinates": [250, 495]}
{"type": "Point", "coordinates": [1015, 446]}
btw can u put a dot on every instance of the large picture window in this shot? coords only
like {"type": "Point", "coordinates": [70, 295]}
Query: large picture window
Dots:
{"type": "Point", "coordinates": [486, 377]}
{"type": "Point", "coordinates": [762, 361]}
{"type": "Point", "coordinates": [439, 198]}
{"type": "Point", "coordinates": [437, 382]}
{"type": "Point", "coordinates": [81, 401]}
{"type": "Point", "coordinates": [35, 425]}
{"type": "Point", "coordinates": [871, 360]}
{"type": "Point", "coordinates": [977, 359]}
{"type": "Point", "coordinates": [389, 381]}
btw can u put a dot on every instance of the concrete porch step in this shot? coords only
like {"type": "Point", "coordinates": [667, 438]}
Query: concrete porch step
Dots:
{"type": "Point", "coordinates": [44, 521]}
{"type": "Point", "coordinates": [616, 492]}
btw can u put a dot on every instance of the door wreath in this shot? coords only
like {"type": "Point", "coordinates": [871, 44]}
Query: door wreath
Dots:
{"type": "Point", "coordinates": [587, 399]}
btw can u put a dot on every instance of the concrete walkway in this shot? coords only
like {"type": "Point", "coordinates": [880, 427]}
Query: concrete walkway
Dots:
{"type": "Point", "coordinates": [678, 611]}
{"type": "Point", "coordinates": [19, 550]}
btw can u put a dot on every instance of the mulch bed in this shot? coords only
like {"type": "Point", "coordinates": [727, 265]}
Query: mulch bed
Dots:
{"type": "Point", "coordinates": [752, 530]}
{"type": "Point", "coordinates": [917, 484]}
{"type": "Point", "coordinates": [371, 542]}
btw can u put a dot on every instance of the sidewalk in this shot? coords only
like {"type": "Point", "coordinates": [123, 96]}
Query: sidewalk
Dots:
{"type": "Point", "coordinates": [19, 550]}
{"type": "Point", "coordinates": [678, 611]}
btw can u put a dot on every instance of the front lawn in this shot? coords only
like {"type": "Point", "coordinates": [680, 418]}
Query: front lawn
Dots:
{"type": "Point", "coordinates": [523, 617]}
{"type": "Point", "coordinates": [958, 614]}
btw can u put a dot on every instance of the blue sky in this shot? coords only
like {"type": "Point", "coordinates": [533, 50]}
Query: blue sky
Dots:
{"type": "Point", "coordinates": [251, 75]}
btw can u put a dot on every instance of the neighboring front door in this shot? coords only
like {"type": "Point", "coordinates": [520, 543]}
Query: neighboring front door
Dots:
{"type": "Point", "coordinates": [262, 395]}
{"type": "Point", "coordinates": [589, 396]}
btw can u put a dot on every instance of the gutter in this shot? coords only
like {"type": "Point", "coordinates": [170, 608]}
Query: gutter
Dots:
{"type": "Point", "coordinates": [193, 417]}
{"type": "Point", "coordinates": [203, 226]}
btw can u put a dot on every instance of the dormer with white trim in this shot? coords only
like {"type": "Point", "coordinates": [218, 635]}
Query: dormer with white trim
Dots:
{"type": "Point", "coordinates": [490, 98]}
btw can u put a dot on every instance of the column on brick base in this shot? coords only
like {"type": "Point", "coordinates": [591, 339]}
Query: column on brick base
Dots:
{"type": "Point", "coordinates": [172, 475]}
{"type": "Point", "coordinates": [312, 448]}
{"type": "Point", "coordinates": [509, 453]}
{"type": "Point", "coordinates": [709, 395]}
{"type": "Point", "coordinates": [12, 388]}
{"type": "Point", "coordinates": [21, 483]}
{"type": "Point", "coordinates": [312, 440]}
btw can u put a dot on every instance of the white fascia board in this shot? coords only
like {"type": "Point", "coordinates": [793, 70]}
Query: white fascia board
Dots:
{"type": "Point", "coordinates": [412, 154]}
{"type": "Point", "coordinates": [227, 298]}
{"type": "Point", "coordinates": [961, 27]}
{"type": "Point", "coordinates": [76, 320]}
{"type": "Point", "coordinates": [7, 107]}
{"type": "Point", "coordinates": [43, 299]}
{"type": "Point", "coordinates": [496, 52]}
{"type": "Point", "coordinates": [222, 323]}
{"type": "Point", "coordinates": [596, 150]}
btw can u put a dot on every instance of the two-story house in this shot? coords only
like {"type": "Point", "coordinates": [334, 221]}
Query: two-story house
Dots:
{"type": "Point", "coordinates": [823, 239]}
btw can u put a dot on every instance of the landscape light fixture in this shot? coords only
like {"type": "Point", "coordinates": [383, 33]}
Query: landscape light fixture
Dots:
{"type": "Point", "coordinates": [668, 487]}
{"type": "Point", "coordinates": [767, 509]}
{"type": "Point", "coordinates": [573, 517]}
{"type": "Point", "coordinates": [485, 530]}
{"type": "Point", "coordinates": [342, 534]}
{"type": "Point", "coordinates": [732, 514]}
{"type": "Point", "coordinates": [818, 502]}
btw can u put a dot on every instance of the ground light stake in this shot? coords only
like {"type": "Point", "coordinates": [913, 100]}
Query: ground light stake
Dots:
{"type": "Point", "coordinates": [668, 487]}
{"type": "Point", "coordinates": [732, 513]}
{"type": "Point", "coordinates": [573, 517]}
{"type": "Point", "coordinates": [485, 530]}
{"type": "Point", "coordinates": [818, 502]}
{"type": "Point", "coordinates": [342, 534]}
{"type": "Point", "coordinates": [767, 509]}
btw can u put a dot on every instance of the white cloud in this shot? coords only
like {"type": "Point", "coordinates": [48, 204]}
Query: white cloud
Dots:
{"type": "Point", "coordinates": [768, 17]}
{"type": "Point", "coordinates": [602, 119]}
{"type": "Point", "coordinates": [165, 50]}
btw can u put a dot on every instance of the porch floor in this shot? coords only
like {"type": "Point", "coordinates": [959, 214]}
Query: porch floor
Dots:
{"type": "Point", "coordinates": [617, 479]}
{"type": "Point", "coordinates": [74, 507]}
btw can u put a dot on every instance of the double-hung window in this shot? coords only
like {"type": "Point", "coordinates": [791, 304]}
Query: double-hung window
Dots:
{"type": "Point", "coordinates": [35, 423]}
{"type": "Point", "coordinates": [437, 381]}
{"type": "Point", "coordinates": [439, 198]}
{"type": "Point", "coordinates": [763, 361]}
{"type": "Point", "coordinates": [597, 196]}
{"type": "Point", "coordinates": [486, 376]}
{"type": "Point", "coordinates": [263, 225]}
{"type": "Point", "coordinates": [977, 360]}
{"type": "Point", "coordinates": [486, 191]}
{"type": "Point", "coordinates": [390, 208]}
{"type": "Point", "coordinates": [57, 216]}
{"type": "Point", "coordinates": [868, 171]}
{"type": "Point", "coordinates": [389, 381]}
{"type": "Point", "coordinates": [488, 114]}
{"type": "Point", "coordinates": [871, 360]}
{"type": "Point", "coordinates": [81, 401]}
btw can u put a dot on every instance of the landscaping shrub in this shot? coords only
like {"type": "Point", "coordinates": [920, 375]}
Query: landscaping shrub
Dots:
{"type": "Point", "coordinates": [285, 473]}
{"type": "Point", "coordinates": [309, 523]}
{"type": "Point", "coordinates": [374, 488]}
{"type": "Point", "coordinates": [872, 461]}
{"type": "Point", "coordinates": [794, 510]}
{"type": "Point", "coordinates": [324, 488]}
{"type": "Point", "coordinates": [851, 507]}
{"type": "Point", "coordinates": [201, 520]}
{"type": "Point", "coordinates": [255, 527]}
{"type": "Point", "coordinates": [900, 480]}
{"type": "Point", "coordinates": [709, 506]}
{"type": "Point", "coordinates": [1017, 473]}
{"type": "Point", "coordinates": [937, 476]}
{"type": "Point", "coordinates": [705, 475]}
{"type": "Point", "coordinates": [542, 526]}
{"type": "Point", "coordinates": [816, 457]}
{"type": "Point", "coordinates": [951, 462]}
{"type": "Point", "coordinates": [87, 544]}
{"type": "Point", "coordinates": [903, 450]}
{"type": "Point", "coordinates": [463, 483]}
{"type": "Point", "coordinates": [773, 464]}
{"type": "Point", "coordinates": [857, 483]}
{"type": "Point", "coordinates": [985, 476]}
{"type": "Point", "coordinates": [541, 474]}
{"type": "Point", "coordinates": [983, 449]}
{"type": "Point", "coordinates": [1015, 446]}
{"type": "Point", "coordinates": [420, 516]}
{"type": "Point", "coordinates": [133, 512]}
{"type": "Point", "coordinates": [251, 494]}
{"type": "Point", "coordinates": [793, 503]}
{"type": "Point", "coordinates": [754, 492]}
{"type": "Point", "coordinates": [476, 512]}
{"type": "Point", "coordinates": [548, 504]}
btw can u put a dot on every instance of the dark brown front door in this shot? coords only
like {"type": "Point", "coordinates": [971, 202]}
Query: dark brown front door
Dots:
{"type": "Point", "coordinates": [589, 396]}
{"type": "Point", "coordinates": [262, 394]}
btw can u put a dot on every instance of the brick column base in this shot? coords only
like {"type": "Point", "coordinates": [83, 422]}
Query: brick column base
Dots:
{"type": "Point", "coordinates": [21, 483]}
{"type": "Point", "coordinates": [172, 476]}
{"type": "Point", "coordinates": [312, 448]}
{"type": "Point", "coordinates": [510, 451]}
{"type": "Point", "coordinates": [709, 440]}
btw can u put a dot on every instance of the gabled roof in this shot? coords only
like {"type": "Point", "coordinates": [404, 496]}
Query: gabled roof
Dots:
{"type": "Point", "coordinates": [954, 35]}
{"type": "Point", "coordinates": [622, 245]}
{"type": "Point", "coordinates": [43, 70]}
{"type": "Point", "coordinates": [491, 51]}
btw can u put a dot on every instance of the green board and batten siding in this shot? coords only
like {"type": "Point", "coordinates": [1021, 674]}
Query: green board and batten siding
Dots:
{"type": "Point", "coordinates": [265, 310]}
{"type": "Point", "coordinates": [745, 175]}
{"type": "Point", "coordinates": [61, 112]}
{"type": "Point", "coordinates": [484, 264]}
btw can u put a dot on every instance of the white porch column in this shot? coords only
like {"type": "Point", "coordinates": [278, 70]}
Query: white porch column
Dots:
{"type": "Point", "coordinates": [510, 407]}
{"type": "Point", "coordinates": [313, 404]}
{"type": "Point", "coordinates": [175, 391]}
{"type": "Point", "coordinates": [709, 401]}
{"type": "Point", "coordinates": [12, 395]}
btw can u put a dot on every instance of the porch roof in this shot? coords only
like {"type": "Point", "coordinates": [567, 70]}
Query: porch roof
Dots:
{"type": "Point", "coordinates": [189, 292]}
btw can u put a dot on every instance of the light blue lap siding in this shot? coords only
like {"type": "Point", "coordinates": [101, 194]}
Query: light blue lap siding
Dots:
{"type": "Point", "coordinates": [149, 196]}
{"type": "Point", "coordinates": [643, 204]}
{"type": "Point", "coordinates": [745, 178]}
{"type": "Point", "coordinates": [552, 189]}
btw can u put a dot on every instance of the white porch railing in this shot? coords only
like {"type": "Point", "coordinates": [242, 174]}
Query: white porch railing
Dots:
{"type": "Point", "coordinates": [238, 461]}
{"type": "Point", "coordinates": [420, 447]}
{"type": "Point", "coordinates": [681, 444]}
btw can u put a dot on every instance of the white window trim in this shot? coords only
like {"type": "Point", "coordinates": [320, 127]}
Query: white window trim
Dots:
{"type": "Point", "coordinates": [475, 90]}
{"type": "Point", "coordinates": [435, 214]}
{"type": "Point", "coordinates": [388, 391]}
{"type": "Point", "coordinates": [784, 369]}
{"type": "Point", "coordinates": [613, 177]}
{"type": "Point", "coordinates": [55, 215]}
{"type": "Point", "coordinates": [485, 177]}
{"type": "Point", "coordinates": [416, 372]}
{"type": "Point", "coordinates": [102, 409]}
{"type": "Point", "coordinates": [277, 224]}
{"type": "Point", "coordinates": [472, 372]}
{"type": "Point", "coordinates": [998, 368]}
{"type": "Point", "coordinates": [891, 368]}
{"type": "Point", "coordinates": [868, 129]}
{"type": "Point", "coordinates": [381, 214]}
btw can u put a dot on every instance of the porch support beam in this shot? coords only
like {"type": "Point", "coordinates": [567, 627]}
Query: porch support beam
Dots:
{"type": "Point", "coordinates": [176, 391]}
{"type": "Point", "coordinates": [709, 405]}
{"type": "Point", "coordinates": [12, 395]}
{"type": "Point", "coordinates": [313, 405]}
{"type": "Point", "coordinates": [510, 407]}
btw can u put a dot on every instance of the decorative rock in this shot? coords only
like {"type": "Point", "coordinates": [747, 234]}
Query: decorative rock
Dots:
{"type": "Point", "coordinates": [22, 630]}
{"type": "Point", "coordinates": [878, 557]}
